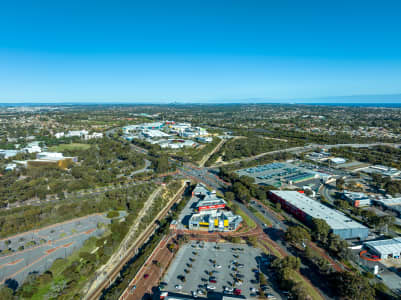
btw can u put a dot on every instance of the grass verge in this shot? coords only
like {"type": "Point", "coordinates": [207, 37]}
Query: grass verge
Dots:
{"type": "Point", "coordinates": [263, 218]}
{"type": "Point", "coordinates": [248, 221]}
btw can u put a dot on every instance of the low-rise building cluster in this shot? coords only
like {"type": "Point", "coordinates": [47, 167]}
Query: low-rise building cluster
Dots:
{"type": "Point", "coordinates": [84, 134]}
{"type": "Point", "coordinates": [167, 134]}
{"type": "Point", "coordinates": [211, 213]}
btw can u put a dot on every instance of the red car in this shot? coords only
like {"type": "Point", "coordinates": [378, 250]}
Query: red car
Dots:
{"type": "Point", "coordinates": [146, 276]}
{"type": "Point", "coordinates": [213, 280]}
{"type": "Point", "coordinates": [237, 292]}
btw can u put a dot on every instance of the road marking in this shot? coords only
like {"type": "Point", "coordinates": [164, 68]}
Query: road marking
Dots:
{"type": "Point", "coordinates": [11, 263]}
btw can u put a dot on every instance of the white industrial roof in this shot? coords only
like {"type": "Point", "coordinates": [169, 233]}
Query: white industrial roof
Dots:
{"type": "Point", "coordinates": [390, 201]}
{"type": "Point", "coordinates": [210, 201]}
{"type": "Point", "coordinates": [386, 246]}
{"type": "Point", "coordinates": [355, 195]}
{"type": "Point", "coordinates": [338, 160]}
{"type": "Point", "coordinates": [206, 197]}
{"type": "Point", "coordinates": [334, 218]}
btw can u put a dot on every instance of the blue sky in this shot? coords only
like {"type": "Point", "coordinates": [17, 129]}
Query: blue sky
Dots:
{"type": "Point", "coordinates": [163, 51]}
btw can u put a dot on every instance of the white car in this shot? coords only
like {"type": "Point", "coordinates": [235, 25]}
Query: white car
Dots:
{"type": "Point", "coordinates": [211, 287]}
{"type": "Point", "coordinates": [218, 266]}
{"type": "Point", "coordinates": [178, 287]}
{"type": "Point", "coordinates": [229, 289]}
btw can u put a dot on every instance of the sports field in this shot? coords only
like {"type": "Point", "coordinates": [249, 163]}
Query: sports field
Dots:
{"type": "Point", "coordinates": [72, 146]}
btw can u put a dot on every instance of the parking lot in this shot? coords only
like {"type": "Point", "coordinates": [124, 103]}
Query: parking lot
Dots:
{"type": "Point", "coordinates": [187, 211]}
{"type": "Point", "coordinates": [219, 268]}
{"type": "Point", "coordinates": [280, 174]}
{"type": "Point", "coordinates": [387, 271]}
{"type": "Point", "coordinates": [36, 250]}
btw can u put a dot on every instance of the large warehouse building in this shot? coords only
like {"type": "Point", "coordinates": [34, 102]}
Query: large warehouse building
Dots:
{"type": "Point", "coordinates": [385, 248]}
{"type": "Point", "coordinates": [306, 209]}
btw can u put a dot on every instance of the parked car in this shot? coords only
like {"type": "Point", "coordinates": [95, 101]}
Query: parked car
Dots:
{"type": "Point", "coordinates": [237, 292]}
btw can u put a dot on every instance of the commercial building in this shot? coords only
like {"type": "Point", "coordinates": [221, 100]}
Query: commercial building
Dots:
{"type": "Point", "coordinates": [8, 153]}
{"type": "Point", "coordinates": [306, 209]}
{"type": "Point", "coordinates": [95, 135]}
{"type": "Point", "coordinates": [338, 160]}
{"type": "Point", "coordinates": [159, 133]}
{"type": "Point", "coordinates": [153, 133]}
{"type": "Point", "coordinates": [382, 170]}
{"type": "Point", "coordinates": [145, 126]}
{"type": "Point", "coordinates": [207, 200]}
{"type": "Point", "coordinates": [385, 248]}
{"type": "Point", "coordinates": [204, 139]}
{"type": "Point", "coordinates": [357, 199]}
{"type": "Point", "coordinates": [77, 133]}
{"type": "Point", "coordinates": [211, 203]}
{"type": "Point", "coordinates": [32, 147]}
{"type": "Point", "coordinates": [393, 204]}
{"type": "Point", "coordinates": [10, 167]}
{"type": "Point", "coordinates": [50, 155]}
{"type": "Point", "coordinates": [278, 174]}
{"type": "Point", "coordinates": [211, 214]}
{"type": "Point", "coordinates": [59, 135]}
{"type": "Point", "coordinates": [318, 156]}
{"type": "Point", "coordinates": [215, 220]}
{"type": "Point", "coordinates": [53, 159]}
{"type": "Point", "coordinates": [176, 296]}
{"type": "Point", "coordinates": [175, 143]}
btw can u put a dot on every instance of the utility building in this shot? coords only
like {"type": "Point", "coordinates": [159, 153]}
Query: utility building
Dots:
{"type": "Point", "coordinates": [306, 209]}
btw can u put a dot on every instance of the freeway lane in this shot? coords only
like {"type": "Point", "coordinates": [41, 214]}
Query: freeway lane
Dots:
{"type": "Point", "coordinates": [306, 148]}
{"type": "Point", "coordinates": [276, 222]}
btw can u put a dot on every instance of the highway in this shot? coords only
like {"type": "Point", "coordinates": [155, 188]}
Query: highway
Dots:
{"type": "Point", "coordinates": [306, 148]}
{"type": "Point", "coordinates": [265, 211]}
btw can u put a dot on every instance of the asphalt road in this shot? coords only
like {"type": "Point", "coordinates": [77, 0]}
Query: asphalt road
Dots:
{"type": "Point", "coordinates": [276, 223]}
{"type": "Point", "coordinates": [325, 192]}
{"type": "Point", "coordinates": [306, 148]}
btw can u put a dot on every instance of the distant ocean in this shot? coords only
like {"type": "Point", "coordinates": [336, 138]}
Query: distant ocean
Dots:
{"type": "Point", "coordinates": [389, 105]}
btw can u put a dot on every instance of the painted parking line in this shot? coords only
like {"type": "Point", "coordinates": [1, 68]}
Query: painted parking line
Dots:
{"type": "Point", "coordinates": [11, 263]}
